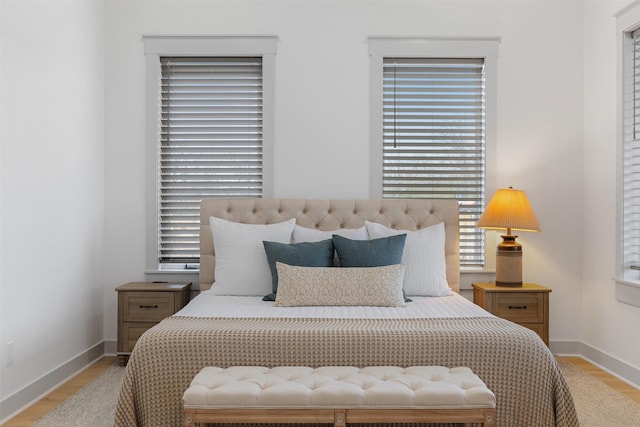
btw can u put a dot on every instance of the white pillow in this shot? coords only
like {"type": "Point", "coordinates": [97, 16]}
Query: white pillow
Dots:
{"type": "Point", "coordinates": [372, 286]}
{"type": "Point", "coordinates": [304, 234]}
{"type": "Point", "coordinates": [423, 256]}
{"type": "Point", "coordinates": [241, 263]}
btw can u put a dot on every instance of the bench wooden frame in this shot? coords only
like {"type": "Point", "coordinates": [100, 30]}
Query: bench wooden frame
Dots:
{"type": "Point", "coordinates": [340, 417]}
{"type": "Point", "coordinates": [389, 387]}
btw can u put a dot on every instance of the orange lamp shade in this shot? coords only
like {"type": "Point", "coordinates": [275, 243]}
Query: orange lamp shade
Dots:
{"type": "Point", "coordinates": [510, 209]}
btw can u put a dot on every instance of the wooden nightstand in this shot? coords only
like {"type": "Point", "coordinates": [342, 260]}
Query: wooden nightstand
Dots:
{"type": "Point", "coordinates": [527, 305]}
{"type": "Point", "coordinates": [142, 305]}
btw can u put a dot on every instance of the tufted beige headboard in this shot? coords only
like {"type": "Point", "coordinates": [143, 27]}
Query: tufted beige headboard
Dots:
{"type": "Point", "coordinates": [325, 214]}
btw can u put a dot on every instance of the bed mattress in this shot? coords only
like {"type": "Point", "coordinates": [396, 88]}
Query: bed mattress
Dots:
{"type": "Point", "coordinates": [209, 305]}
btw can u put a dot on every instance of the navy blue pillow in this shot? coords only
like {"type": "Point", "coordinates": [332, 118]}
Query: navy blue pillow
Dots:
{"type": "Point", "coordinates": [305, 254]}
{"type": "Point", "coordinates": [370, 253]}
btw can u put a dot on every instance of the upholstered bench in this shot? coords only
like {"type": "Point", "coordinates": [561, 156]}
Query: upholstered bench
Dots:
{"type": "Point", "coordinates": [338, 395]}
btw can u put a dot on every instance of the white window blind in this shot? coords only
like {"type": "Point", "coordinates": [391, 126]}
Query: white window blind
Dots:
{"type": "Point", "coordinates": [631, 163]}
{"type": "Point", "coordinates": [211, 143]}
{"type": "Point", "coordinates": [434, 138]}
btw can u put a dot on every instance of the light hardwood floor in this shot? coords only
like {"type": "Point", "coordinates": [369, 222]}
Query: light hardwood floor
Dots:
{"type": "Point", "coordinates": [613, 382]}
{"type": "Point", "coordinates": [59, 395]}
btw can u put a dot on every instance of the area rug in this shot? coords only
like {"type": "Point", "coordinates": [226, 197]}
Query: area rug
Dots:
{"type": "Point", "coordinates": [597, 404]}
{"type": "Point", "coordinates": [94, 405]}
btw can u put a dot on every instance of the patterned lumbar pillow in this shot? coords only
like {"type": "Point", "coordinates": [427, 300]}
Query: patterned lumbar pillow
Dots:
{"type": "Point", "coordinates": [372, 286]}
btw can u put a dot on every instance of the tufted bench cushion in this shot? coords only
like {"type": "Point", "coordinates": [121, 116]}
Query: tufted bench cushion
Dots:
{"type": "Point", "coordinates": [341, 393]}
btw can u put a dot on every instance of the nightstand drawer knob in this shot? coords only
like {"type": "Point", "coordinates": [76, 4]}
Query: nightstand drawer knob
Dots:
{"type": "Point", "coordinates": [148, 306]}
{"type": "Point", "coordinates": [517, 307]}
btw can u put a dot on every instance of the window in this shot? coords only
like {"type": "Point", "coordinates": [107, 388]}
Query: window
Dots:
{"type": "Point", "coordinates": [628, 235]}
{"type": "Point", "coordinates": [435, 126]}
{"type": "Point", "coordinates": [210, 133]}
{"type": "Point", "coordinates": [210, 143]}
{"type": "Point", "coordinates": [433, 138]}
{"type": "Point", "coordinates": [631, 161]}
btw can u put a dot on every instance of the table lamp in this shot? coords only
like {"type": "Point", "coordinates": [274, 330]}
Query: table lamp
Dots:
{"type": "Point", "coordinates": [509, 209]}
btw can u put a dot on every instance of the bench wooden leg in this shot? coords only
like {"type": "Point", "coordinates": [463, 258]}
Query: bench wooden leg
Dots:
{"type": "Point", "coordinates": [339, 418]}
{"type": "Point", "coordinates": [189, 417]}
{"type": "Point", "coordinates": [490, 417]}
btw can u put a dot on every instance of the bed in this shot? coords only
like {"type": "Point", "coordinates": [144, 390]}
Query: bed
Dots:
{"type": "Point", "coordinates": [219, 329]}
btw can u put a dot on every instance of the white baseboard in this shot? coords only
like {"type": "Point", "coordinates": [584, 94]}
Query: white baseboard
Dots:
{"type": "Point", "coordinates": [12, 405]}
{"type": "Point", "coordinates": [111, 348]}
{"type": "Point", "coordinates": [612, 365]}
{"type": "Point", "coordinates": [565, 348]}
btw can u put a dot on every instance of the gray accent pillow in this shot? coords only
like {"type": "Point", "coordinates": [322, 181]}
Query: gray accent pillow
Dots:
{"type": "Point", "coordinates": [305, 254]}
{"type": "Point", "coordinates": [369, 253]}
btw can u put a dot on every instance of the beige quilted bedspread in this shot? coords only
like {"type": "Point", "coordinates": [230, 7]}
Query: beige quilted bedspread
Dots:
{"type": "Point", "coordinates": [512, 360]}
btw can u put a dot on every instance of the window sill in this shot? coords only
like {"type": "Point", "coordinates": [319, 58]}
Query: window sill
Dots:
{"type": "Point", "coordinates": [469, 276]}
{"type": "Point", "coordinates": [182, 271]}
{"type": "Point", "coordinates": [476, 271]}
{"type": "Point", "coordinates": [628, 282]}
{"type": "Point", "coordinates": [628, 292]}
{"type": "Point", "coordinates": [173, 276]}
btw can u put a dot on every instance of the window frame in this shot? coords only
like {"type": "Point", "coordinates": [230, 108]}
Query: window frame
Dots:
{"type": "Point", "coordinates": [157, 46]}
{"type": "Point", "coordinates": [436, 47]}
{"type": "Point", "coordinates": [627, 22]}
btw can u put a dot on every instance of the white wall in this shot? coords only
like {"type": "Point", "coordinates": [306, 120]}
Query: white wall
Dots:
{"type": "Point", "coordinates": [73, 142]}
{"type": "Point", "coordinates": [52, 178]}
{"type": "Point", "coordinates": [609, 326]}
{"type": "Point", "coordinates": [322, 113]}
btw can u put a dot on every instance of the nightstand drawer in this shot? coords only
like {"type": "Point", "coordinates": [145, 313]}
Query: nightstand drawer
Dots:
{"type": "Point", "coordinates": [148, 306]}
{"type": "Point", "coordinates": [519, 307]}
{"type": "Point", "coordinates": [131, 332]}
{"type": "Point", "coordinates": [538, 328]}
